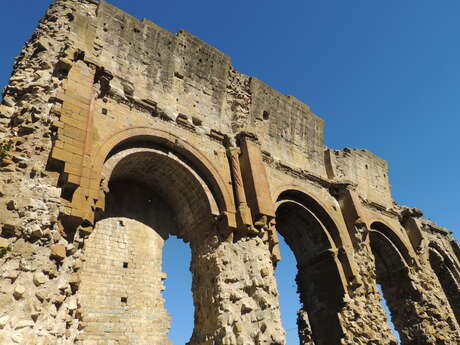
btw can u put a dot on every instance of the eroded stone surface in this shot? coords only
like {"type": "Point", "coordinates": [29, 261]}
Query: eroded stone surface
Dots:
{"type": "Point", "coordinates": [116, 134]}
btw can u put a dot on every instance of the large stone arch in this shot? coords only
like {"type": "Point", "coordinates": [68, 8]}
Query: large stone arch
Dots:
{"type": "Point", "coordinates": [447, 274]}
{"type": "Point", "coordinates": [396, 239]}
{"type": "Point", "coordinates": [332, 220]}
{"type": "Point", "coordinates": [176, 182]}
{"type": "Point", "coordinates": [151, 193]}
{"type": "Point", "coordinates": [446, 259]}
{"type": "Point", "coordinates": [393, 264]}
{"type": "Point", "coordinates": [160, 139]}
{"type": "Point", "coordinates": [316, 241]}
{"type": "Point", "coordinates": [318, 207]}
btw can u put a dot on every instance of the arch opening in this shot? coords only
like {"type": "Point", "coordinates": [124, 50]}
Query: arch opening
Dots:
{"type": "Point", "coordinates": [151, 196]}
{"type": "Point", "coordinates": [289, 298]}
{"type": "Point", "coordinates": [168, 144]}
{"type": "Point", "coordinates": [314, 207]}
{"type": "Point", "coordinates": [444, 270]}
{"type": "Point", "coordinates": [177, 294]}
{"type": "Point", "coordinates": [385, 307]}
{"type": "Point", "coordinates": [393, 282]}
{"type": "Point", "coordinates": [320, 278]}
{"type": "Point", "coordinates": [170, 179]}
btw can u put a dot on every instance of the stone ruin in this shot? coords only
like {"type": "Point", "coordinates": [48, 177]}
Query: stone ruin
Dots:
{"type": "Point", "coordinates": [116, 134]}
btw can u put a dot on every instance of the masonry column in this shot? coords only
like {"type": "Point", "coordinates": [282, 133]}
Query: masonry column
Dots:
{"type": "Point", "coordinates": [423, 313]}
{"type": "Point", "coordinates": [433, 263]}
{"type": "Point", "coordinates": [235, 292]}
{"type": "Point", "coordinates": [362, 316]}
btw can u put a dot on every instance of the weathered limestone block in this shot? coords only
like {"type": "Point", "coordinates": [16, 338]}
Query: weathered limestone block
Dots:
{"type": "Point", "coordinates": [115, 134]}
{"type": "Point", "coordinates": [40, 278]}
{"type": "Point", "coordinates": [4, 243]}
{"type": "Point", "coordinates": [58, 251]}
{"type": "Point", "coordinates": [19, 291]}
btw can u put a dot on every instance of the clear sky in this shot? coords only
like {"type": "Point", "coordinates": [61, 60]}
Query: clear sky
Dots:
{"type": "Point", "coordinates": [383, 75]}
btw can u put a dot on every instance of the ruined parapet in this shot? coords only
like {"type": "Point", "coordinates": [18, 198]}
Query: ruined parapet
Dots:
{"type": "Point", "coordinates": [117, 134]}
{"type": "Point", "coordinates": [364, 169]}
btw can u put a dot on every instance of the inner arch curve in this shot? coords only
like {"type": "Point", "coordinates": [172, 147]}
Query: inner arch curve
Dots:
{"type": "Point", "coordinates": [145, 137]}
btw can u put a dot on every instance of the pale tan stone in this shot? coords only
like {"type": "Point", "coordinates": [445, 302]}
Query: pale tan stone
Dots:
{"type": "Point", "coordinates": [4, 243]}
{"type": "Point", "coordinates": [19, 291]}
{"type": "Point", "coordinates": [148, 134]}
{"type": "Point", "coordinates": [58, 251]}
{"type": "Point", "coordinates": [23, 324]}
{"type": "Point", "coordinates": [4, 321]}
{"type": "Point", "coordinates": [39, 278]}
{"type": "Point", "coordinates": [72, 304]}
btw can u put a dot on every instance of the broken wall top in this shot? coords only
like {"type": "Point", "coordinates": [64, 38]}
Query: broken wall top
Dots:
{"type": "Point", "coordinates": [188, 78]}
{"type": "Point", "coordinates": [191, 81]}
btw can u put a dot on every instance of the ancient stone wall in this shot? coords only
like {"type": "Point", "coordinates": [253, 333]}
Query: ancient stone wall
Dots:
{"type": "Point", "coordinates": [122, 282]}
{"type": "Point", "coordinates": [117, 134]}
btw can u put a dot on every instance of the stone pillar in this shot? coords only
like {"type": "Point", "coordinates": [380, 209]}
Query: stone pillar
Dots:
{"type": "Point", "coordinates": [447, 282]}
{"type": "Point", "coordinates": [235, 293]}
{"type": "Point", "coordinates": [257, 189]}
{"type": "Point", "coordinates": [321, 290]}
{"type": "Point", "coordinates": [425, 316]}
{"type": "Point", "coordinates": [39, 261]}
{"type": "Point", "coordinates": [362, 316]}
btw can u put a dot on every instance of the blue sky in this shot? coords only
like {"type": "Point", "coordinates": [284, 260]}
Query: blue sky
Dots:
{"type": "Point", "coordinates": [383, 74]}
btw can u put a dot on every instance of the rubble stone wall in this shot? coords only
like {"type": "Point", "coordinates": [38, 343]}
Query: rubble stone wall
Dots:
{"type": "Point", "coordinates": [116, 134]}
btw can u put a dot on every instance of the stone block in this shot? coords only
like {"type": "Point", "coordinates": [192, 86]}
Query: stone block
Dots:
{"type": "Point", "coordinates": [39, 278]}
{"type": "Point", "coordinates": [58, 251]}
{"type": "Point", "coordinates": [4, 243]}
{"type": "Point", "coordinates": [23, 324]}
{"type": "Point", "coordinates": [4, 321]}
{"type": "Point", "coordinates": [19, 291]}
